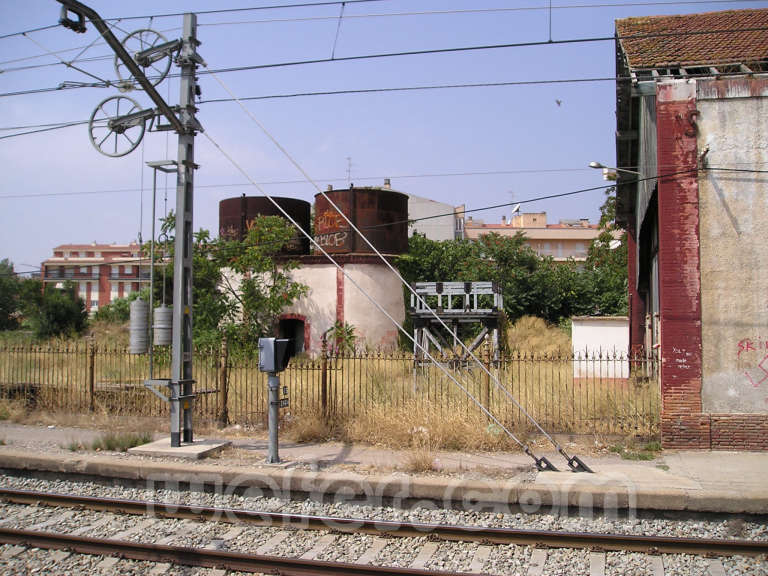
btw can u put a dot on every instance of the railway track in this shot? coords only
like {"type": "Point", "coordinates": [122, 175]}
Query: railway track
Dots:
{"type": "Point", "coordinates": [442, 532]}
{"type": "Point", "coordinates": [256, 541]}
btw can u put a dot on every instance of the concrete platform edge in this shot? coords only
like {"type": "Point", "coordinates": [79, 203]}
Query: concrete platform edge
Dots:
{"type": "Point", "coordinates": [344, 486]}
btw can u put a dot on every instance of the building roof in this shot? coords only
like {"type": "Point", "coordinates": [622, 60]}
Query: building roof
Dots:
{"type": "Point", "coordinates": [99, 247]}
{"type": "Point", "coordinates": [693, 39]}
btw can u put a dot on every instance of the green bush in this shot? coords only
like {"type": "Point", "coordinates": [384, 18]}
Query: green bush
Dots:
{"type": "Point", "coordinates": [57, 312]}
{"type": "Point", "coordinates": [120, 442]}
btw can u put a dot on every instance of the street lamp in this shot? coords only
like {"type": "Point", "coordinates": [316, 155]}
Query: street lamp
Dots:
{"type": "Point", "coordinates": [167, 166]}
{"type": "Point", "coordinates": [609, 172]}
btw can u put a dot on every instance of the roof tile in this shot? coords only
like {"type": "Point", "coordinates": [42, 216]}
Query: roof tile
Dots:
{"type": "Point", "coordinates": [727, 37]}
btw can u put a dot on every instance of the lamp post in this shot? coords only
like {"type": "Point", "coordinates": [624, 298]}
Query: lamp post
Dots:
{"type": "Point", "coordinates": [167, 166]}
{"type": "Point", "coordinates": [609, 171]}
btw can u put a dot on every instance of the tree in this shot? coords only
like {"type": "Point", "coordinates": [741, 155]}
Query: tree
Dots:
{"type": "Point", "coordinates": [531, 285]}
{"type": "Point", "coordinates": [54, 311]}
{"type": "Point", "coordinates": [9, 296]}
{"type": "Point", "coordinates": [120, 310]}
{"type": "Point", "coordinates": [263, 286]}
{"type": "Point", "coordinates": [239, 288]}
{"type": "Point", "coordinates": [607, 263]}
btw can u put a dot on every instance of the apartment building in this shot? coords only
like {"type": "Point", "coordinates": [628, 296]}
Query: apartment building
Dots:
{"type": "Point", "coordinates": [562, 241]}
{"type": "Point", "coordinates": [101, 273]}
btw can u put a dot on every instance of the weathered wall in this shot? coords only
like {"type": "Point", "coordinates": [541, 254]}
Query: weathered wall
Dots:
{"type": "Point", "coordinates": [376, 330]}
{"type": "Point", "coordinates": [332, 297]}
{"type": "Point", "coordinates": [682, 423]}
{"type": "Point", "coordinates": [318, 307]}
{"type": "Point", "coordinates": [606, 336]}
{"type": "Point", "coordinates": [430, 220]}
{"type": "Point", "coordinates": [732, 126]}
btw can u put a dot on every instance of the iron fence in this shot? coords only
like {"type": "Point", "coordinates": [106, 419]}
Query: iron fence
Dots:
{"type": "Point", "coordinates": [564, 393]}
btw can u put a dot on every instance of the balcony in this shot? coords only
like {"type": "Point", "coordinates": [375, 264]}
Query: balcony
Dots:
{"type": "Point", "coordinates": [70, 274]}
{"type": "Point", "coordinates": [142, 276]}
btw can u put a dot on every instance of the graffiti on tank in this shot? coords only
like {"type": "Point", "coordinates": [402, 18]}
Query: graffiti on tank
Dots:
{"type": "Point", "coordinates": [332, 240]}
{"type": "Point", "coordinates": [330, 220]}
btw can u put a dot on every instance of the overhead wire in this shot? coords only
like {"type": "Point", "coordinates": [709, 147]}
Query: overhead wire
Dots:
{"type": "Point", "coordinates": [244, 245]}
{"type": "Point", "coordinates": [458, 49]}
{"type": "Point", "coordinates": [420, 13]}
{"type": "Point", "coordinates": [367, 178]}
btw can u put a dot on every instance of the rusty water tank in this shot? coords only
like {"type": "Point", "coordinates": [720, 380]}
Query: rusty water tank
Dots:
{"type": "Point", "coordinates": [379, 213]}
{"type": "Point", "coordinates": [237, 214]}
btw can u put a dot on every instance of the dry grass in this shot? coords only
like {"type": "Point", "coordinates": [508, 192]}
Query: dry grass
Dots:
{"type": "Point", "coordinates": [426, 426]}
{"type": "Point", "coordinates": [380, 399]}
{"type": "Point", "coordinates": [532, 334]}
{"type": "Point", "coordinates": [310, 426]}
{"type": "Point", "coordinates": [109, 333]}
{"type": "Point", "coordinates": [419, 460]}
{"type": "Point", "coordinates": [12, 410]}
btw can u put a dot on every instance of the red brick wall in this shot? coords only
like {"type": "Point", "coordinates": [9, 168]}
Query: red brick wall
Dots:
{"type": "Point", "coordinates": [683, 425]}
{"type": "Point", "coordinates": [679, 273]}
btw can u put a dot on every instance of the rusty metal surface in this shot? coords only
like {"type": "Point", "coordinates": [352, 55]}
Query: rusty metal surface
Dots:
{"type": "Point", "coordinates": [380, 214]}
{"type": "Point", "coordinates": [236, 217]}
{"type": "Point", "coordinates": [551, 538]}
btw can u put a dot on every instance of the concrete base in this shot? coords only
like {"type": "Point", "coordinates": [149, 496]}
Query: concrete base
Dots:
{"type": "Point", "coordinates": [283, 464]}
{"type": "Point", "coordinates": [192, 451]}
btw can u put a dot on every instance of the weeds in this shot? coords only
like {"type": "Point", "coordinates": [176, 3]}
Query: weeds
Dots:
{"type": "Point", "coordinates": [402, 427]}
{"type": "Point", "coordinates": [419, 460]}
{"type": "Point", "coordinates": [74, 446]}
{"type": "Point", "coordinates": [12, 410]}
{"type": "Point", "coordinates": [310, 427]}
{"type": "Point", "coordinates": [120, 442]}
{"type": "Point", "coordinates": [646, 452]}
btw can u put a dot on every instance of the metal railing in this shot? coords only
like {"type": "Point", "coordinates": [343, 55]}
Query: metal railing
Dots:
{"type": "Point", "coordinates": [611, 394]}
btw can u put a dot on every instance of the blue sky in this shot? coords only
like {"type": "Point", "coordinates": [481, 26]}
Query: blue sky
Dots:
{"type": "Point", "coordinates": [473, 146]}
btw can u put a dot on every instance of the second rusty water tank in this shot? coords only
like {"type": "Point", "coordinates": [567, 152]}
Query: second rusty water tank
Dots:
{"type": "Point", "coordinates": [379, 213]}
{"type": "Point", "coordinates": [237, 214]}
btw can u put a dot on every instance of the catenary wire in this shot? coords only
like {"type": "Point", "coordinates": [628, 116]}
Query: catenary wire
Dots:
{"type": "Point", "coordinates": [467, 11]}
{"type": "Point", "coordinates": [366, 178]}
{"type": "Point", "coordinates": [425, 12]}
{"type": "Point", "coordinates": [361, 16]}
{"type": "Point", "coordinates": [458, 49]}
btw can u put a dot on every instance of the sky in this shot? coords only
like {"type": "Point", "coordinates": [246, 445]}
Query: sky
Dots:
{"type": "Point", "coordinates": [477, 146]}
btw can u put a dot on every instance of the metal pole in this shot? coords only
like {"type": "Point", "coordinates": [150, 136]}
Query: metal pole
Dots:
{"type": "Point", "coordinates": [181, 364]}
{"type": "Point", "coordinates": [273, 382]}
{"type": "Point", "coordinates": [152, 281]}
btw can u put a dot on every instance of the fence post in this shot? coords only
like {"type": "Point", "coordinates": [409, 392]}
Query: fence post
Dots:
{"type": "Point", "coordinates": [223, 384]}
{"type": "Point", "coordinates": [324, 377]}
{"type": "Point", "coordinates": [91, 375]}
{"type": "Point", "coordinates": [486, 358]}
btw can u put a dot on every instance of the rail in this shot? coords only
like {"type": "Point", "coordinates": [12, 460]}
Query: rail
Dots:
{"type": "Point", "coordinates": [499, 536]}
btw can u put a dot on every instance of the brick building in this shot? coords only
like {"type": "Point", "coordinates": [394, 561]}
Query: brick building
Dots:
{"type": "Point", "coordinates": [692, 105]}
{"type": "Point", "coordinates": [101, 273]}
{"type": "Point", "coordinates": [562, 241]}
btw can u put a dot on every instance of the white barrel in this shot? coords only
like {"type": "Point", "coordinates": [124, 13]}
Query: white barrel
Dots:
{"type": "Point", "coordinates": [163, 324]}
{"type": "Point", "coordinates": [139, 327]}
